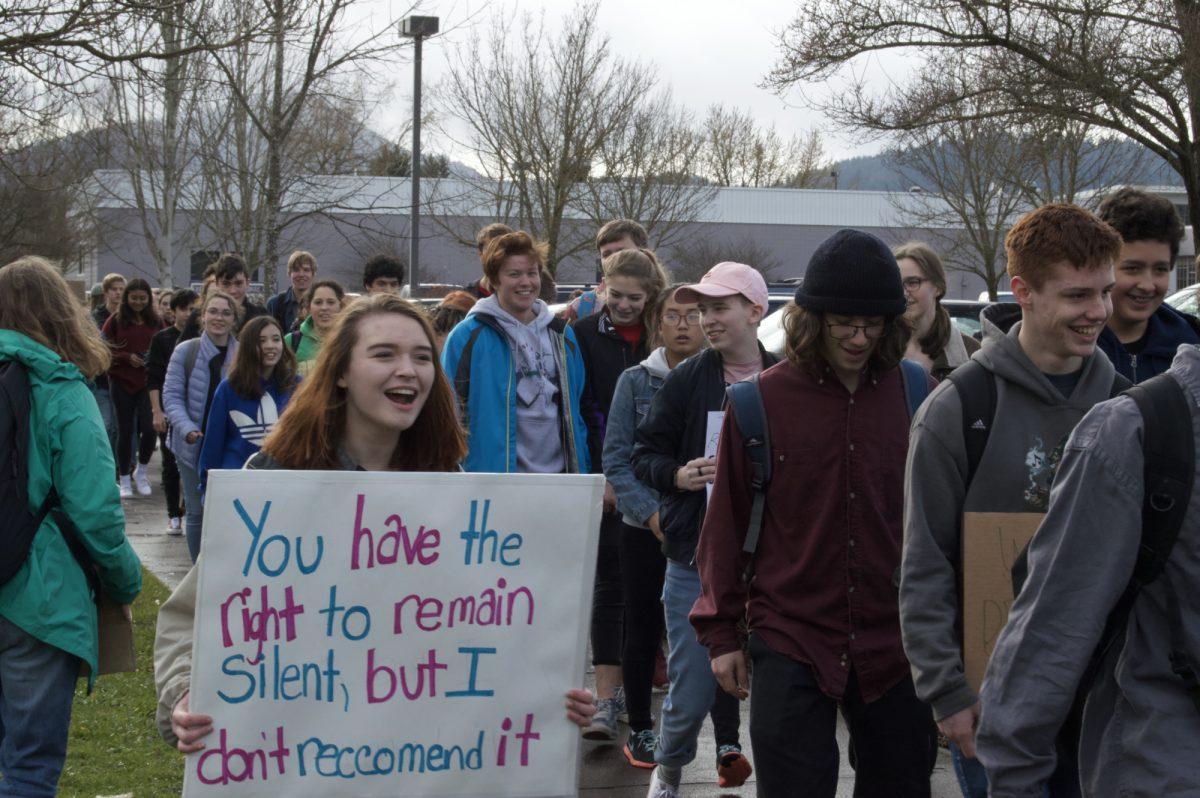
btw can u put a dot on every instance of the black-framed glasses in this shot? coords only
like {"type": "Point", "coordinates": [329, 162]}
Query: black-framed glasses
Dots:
{"type": "Point", "coordinates": [844, 332]}
{"type": "Point", "coordinates": [671, 317]}
{"type": "Point", "coordinates": [914, 283]}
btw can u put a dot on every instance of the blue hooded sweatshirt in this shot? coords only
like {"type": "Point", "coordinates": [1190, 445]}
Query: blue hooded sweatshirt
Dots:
{"type": "Point", "coordinates": [1167, 329]}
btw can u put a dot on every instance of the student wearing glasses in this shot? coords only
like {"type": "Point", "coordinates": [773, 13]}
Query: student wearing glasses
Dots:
{"type": "Point", "coordinates": [196, 369]}
{"type": "Point", "coordinates": [824, 626]}
{"type": "Point", "coordinates": [936, 343]}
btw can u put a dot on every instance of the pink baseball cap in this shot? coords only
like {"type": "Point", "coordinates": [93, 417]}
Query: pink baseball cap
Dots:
{"type": "Point", "coordinates": [727, 279]}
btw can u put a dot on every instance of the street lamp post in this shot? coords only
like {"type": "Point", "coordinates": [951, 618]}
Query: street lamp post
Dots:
{"type": "Point", "coordinates": [417, 28]}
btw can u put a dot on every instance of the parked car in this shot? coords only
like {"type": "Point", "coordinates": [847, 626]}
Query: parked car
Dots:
{"type": "Point", "coordinates": [965, 314]}
{"type": "Point", "coordinates": [1186, 300]}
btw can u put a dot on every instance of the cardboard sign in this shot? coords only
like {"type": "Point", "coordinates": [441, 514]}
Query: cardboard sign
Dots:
{"type": "Point", "coordinates": [375, 634]}
{"type": "Point", "coordinates": [991, 544]}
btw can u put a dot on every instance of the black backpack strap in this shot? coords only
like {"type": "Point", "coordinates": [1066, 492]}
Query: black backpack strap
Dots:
{"type": "Point", "coordinates": [294, 338]}
{"type": "Point", "coordinates": [1169, 471]}
{"type": "Point", "coordinates": [462, 374]}
{"type": "Point", "coordinates": [976, 388]}
{"type": "Point", "coordinates": [745, 400]}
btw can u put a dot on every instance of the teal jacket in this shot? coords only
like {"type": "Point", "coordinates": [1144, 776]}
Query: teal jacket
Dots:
{"type": "Point", "coordinates": [478, 361]}
{"type": "Point", "coordinates": [49, 597]}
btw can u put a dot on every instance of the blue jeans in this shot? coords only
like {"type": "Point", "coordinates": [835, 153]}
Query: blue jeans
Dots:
{"type": "Point", "coordinates": [693, 686]}
{"type": "Point", "coordinates": [107, 414]}
{"type": "Point", "coordinates": [189, 480]}
{"type": "Point", "coordinates": [972, 778]}
{"type": "Point", "coordinates": [37, 686]}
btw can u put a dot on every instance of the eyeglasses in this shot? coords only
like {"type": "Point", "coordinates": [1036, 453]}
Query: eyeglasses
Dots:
{"type": "Point", "coordinates": [844, 332]}
{"type": "Point", "coordinates": [671, 317]}
{"type": "Point", "coordinates": [914, 283]}
{"type": "Point", "coordinates": [228, 314]}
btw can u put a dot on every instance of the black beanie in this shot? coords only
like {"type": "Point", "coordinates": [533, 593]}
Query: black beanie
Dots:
{"type": "Point", "coordinates": [852, 273]}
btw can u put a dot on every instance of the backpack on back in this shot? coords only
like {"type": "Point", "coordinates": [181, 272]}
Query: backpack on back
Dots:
{"type": "Point", "coordinates": [1170, 467]}
{"type": "Point", "coordinates": [18, 525]}
{"type": "Point", "coordinates": [745, 400]}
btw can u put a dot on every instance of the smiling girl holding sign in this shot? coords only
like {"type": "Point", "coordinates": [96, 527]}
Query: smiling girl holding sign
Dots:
{"type": "Point", "coordinates": [377, 400]}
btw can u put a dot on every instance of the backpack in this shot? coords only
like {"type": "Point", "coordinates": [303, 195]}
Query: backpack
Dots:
{"type": "Point", "coordinates": [18, 526]}
{"type": "Point", "coordinates": [1170, 467]}
{"type": "Point", "coordinates": [745, 399]}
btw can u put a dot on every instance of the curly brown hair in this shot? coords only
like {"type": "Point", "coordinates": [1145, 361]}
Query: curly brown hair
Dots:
{"type": "Point", "coordinates": [804, 330]}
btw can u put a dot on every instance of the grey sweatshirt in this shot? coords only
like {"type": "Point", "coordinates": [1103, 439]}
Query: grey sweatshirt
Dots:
{"type": "Point", "coordinates": [1140, 731]}
{"type": "Point", "coordinates": [539, 444]}
{"type": "Point", "coordinates": [1031, 426]}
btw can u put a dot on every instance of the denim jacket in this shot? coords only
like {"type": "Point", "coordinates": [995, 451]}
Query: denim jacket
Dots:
{"type": "Point", "coordinates": [630, 403]}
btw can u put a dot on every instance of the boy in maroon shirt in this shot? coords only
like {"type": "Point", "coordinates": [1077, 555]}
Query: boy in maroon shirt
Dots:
{"type": "Point", "coordinates": [823, 616]}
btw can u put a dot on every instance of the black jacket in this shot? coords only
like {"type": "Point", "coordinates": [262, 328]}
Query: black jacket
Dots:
{"type": "Point", "coordinates": [673, 433]}
{"type": "Point", "coordinates": [605, 356]}
{"type": "Point", "coordinates": [162, 345]}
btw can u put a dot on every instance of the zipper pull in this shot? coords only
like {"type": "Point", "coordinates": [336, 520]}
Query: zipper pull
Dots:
{"type": "Point", "coordinates": [1133, 363]}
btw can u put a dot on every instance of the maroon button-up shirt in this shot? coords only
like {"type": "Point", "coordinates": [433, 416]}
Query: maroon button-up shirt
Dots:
{"type": "Point", "coordinates": [830, 543]}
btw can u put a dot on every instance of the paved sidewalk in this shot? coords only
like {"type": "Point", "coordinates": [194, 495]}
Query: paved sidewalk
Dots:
{"type": "Point", "coordinates": [604, 773]}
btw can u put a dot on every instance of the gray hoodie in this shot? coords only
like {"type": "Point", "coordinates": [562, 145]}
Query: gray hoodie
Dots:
{"type": "Point", "coordinates": [539, 444]}
{"type": "Point", "coordinates": [1031, 426]}
{"type": "Point", "coordinates": [1140, 731]}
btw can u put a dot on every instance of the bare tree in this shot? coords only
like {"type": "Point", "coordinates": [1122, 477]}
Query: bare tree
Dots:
{"type": "Point", "coordinates": [649, 171]}
{"type": "Point", "coordinates": [977, 174]}
{"type": "Point", "coordinates": [738, 152]}
{"type": "Point", "coordinates": [695, 254]}
{"type": "Point", "coordinates": [150, 111]}
{"type": "Point", "coordinates": [1069, 158]}
{"type": "Point", "coordinates": [538, 112]}
{"type": "Point", "coordinates": [1129, 66]}
{"type": "Point", "coordinates": [276, 86]}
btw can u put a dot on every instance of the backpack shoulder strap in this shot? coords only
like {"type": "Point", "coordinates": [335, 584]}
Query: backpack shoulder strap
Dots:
{"type": "Point", "coordinates": [1169, 472]}
{"type": "Point", "coordinates": [916, 385]}
{"type": "Point", "coordinates": [294, 339]}
{"type": "Point", "coordinates": [745, 400]}
{"type": "Point", "coordinates": [189, 362]}
{"type": "Point", "coordinates": [976, 388]}
{"type": "Point", "coordinates": [462, 374]}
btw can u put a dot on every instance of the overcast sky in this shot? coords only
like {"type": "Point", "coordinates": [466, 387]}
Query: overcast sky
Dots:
{"type": "Point", "coordinates": [706, 51]}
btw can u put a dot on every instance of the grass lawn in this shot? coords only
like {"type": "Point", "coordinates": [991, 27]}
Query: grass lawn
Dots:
{"type": "Point", "coordinates": [115, 747]}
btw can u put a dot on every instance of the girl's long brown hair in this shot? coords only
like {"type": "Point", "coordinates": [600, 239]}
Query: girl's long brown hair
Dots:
{"type": "Point", "coordinates": [246, 377]}
{"type": "Point", "coordinates": [934, 341]}
{"type": "Point", "coordinates": [312, 428]}
{"type": "Point", "coordinates": [36, 301]}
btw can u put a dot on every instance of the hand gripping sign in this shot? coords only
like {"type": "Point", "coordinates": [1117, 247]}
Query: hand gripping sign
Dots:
{"type": "Point", "coordinates": [374, 634]}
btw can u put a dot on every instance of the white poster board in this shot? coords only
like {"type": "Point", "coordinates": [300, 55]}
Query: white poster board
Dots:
{"type": "Point", "coordinates": [712, 438]}
{"type": "Point", "coordinates": [375, 634]}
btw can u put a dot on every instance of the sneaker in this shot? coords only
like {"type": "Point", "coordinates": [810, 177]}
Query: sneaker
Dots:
{"type": "Point", "coordinates": [619, 701]}
{"type": "Point", "coordinates": [660, 788]}
{"type": "Point", "coordinates": [126, 488]}
{"type": "Point", "coordinates": [604, 723]}
{"type": "Point", "coordinates": [639, 748]}
{"type": "Point", "coordinates": [733, 768]}
{"type": "Point", "coordinates": [660, 681]}
{"type": "Point", "coordinates": [174, 526]}
{"type": "Point", "coordinates": [142, 479]}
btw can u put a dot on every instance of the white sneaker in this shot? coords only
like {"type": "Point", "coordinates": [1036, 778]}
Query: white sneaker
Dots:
{"type": "Point", "coordinates": [126, 488]}
{"type": "Point", "coordinates": [659, 788]}
{"type": "Point", "coordinates": [174, 526]}
{"type": "Point", "coordinates": [142, 480]}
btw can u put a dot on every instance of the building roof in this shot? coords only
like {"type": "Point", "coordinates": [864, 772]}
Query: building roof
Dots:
{"type": "Point", "coordinates": [351, 194]}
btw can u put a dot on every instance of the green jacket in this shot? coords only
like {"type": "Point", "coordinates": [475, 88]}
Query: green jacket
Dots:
{"type": "Point", "coordinates": [308, 347]}
{"type": "Point", "coordinates": [49, 597]}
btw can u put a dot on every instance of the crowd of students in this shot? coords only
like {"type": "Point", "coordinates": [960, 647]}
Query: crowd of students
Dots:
{"type": "Point", "coordinates": [813, 565]}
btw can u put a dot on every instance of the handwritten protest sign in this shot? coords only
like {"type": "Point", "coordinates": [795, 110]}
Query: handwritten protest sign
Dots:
{"type": "Point", "coordinates": [391, 634]}
{"type": "Point", "coordinates": [712, 438]}
{"type": "Point", "coordinates": [991, 544]}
